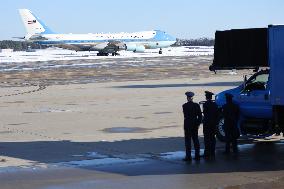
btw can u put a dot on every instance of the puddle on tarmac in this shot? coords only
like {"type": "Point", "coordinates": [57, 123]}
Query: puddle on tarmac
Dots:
{"type": "Point", "coordinates": [126, 130]}
{"type": "Point", "coordinates": [136, 129]}
{"type": "Point", "coordinates": [163, 112]}
{"type": "Point", "coordinates": [134, 117]}
{"type": "Point", "coordinates": [15, 102]}
{"type": "Point", "coordinates": [14, 124]}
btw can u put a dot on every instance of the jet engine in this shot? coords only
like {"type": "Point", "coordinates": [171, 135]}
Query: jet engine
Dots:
{"type": "Point", "coordinates": [109, 47]}
{"type": "Point", "coordinates": [135, 48]}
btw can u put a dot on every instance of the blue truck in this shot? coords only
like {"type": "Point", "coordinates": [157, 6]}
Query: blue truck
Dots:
{"type": "Point", "coordinates": [260, 97]}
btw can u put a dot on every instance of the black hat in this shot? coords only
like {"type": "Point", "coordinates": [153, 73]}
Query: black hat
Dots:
{"type": "Point", "coordinates": [209, 94]}
{"type": "Point", "coordinates": [189, 94]}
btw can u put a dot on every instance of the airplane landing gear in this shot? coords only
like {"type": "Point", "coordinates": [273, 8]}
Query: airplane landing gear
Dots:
{"type": "Point", "coordinates": [102, 54]}
{"type": "Point", "coordinates": [160, 51]}
{"type": "Point", "coordinates": [114, 54]}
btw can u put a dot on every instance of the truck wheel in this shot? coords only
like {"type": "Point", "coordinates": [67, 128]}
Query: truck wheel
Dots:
{"type": "Point", "coordinates": [221, 131]}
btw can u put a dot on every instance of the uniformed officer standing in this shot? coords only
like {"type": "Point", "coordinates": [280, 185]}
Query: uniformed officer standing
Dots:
{"type": "Point", "coordinates": [231, 117]}
{"type": "Point", "coordinates": [210, 121]}
{"type": "Point", "coordinates": [192, 119]}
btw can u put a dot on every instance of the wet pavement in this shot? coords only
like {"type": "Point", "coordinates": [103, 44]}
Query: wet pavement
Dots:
{"type": "Point", "coordinates": [259, 165]}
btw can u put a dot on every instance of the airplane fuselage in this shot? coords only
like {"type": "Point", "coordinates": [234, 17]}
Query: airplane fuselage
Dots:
{"type": "Point", "coordinates": [148, 39]}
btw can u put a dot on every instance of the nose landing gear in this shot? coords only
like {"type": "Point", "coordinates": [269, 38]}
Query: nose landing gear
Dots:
{"type": "Point", "coordinates": [160, 51]}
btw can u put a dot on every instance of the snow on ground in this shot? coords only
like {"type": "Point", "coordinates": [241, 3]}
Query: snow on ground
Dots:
{"type": "Point", "coordinates": [95, 159]}
{"type": "Point", "coordinates": [62, 54]}
{"type": "Point", "coordinates": [179, 155]}
{"type": "Point", "coordinates": [99, 162]}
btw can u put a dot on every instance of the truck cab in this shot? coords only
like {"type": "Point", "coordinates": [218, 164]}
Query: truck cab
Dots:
{"type": "Point", "coordinates": [255, 109]}
{"type": "Point", "coordinates": [261, 96]}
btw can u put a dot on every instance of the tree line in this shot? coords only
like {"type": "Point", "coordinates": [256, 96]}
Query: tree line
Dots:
{"type": "Point", "coordinates": [19, 45]}
{"type": "Point", "coordinates": [195, 42]}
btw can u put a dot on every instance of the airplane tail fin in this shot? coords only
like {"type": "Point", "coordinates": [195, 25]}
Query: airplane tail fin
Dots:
{"type": "Point", "coordinates": [33, 24]}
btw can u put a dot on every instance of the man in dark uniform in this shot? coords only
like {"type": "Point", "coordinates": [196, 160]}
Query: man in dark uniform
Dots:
{"type": "Point", "coordinates": [192, 119]}
{"type": "Point", "coordinates": [210, 121]}
{"type": "Point", "coordinates": [231, 117]}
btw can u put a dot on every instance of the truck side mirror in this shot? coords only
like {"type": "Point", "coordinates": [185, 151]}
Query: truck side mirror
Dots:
{"type": "Point", "coordinates": [245, 81]}
{"type": "Point", "coordinates": [245, 78]}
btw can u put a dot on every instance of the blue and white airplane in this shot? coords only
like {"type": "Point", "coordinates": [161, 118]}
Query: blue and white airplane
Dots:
{"type": "Point", "coordinates": [104, 43]}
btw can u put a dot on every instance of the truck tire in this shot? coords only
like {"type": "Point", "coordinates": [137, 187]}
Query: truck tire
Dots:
{"type": "Point", "coordinates": [220, 132]}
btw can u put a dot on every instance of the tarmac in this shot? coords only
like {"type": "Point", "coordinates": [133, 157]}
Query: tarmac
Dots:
{"type": "Point", "coordinates": [120, 127]}
{"type": "Point", "coordinates": [259, 165]}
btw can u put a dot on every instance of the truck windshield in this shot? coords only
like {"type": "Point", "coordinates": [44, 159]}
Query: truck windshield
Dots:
{"type": "Point", "coordinates": [258, 82]}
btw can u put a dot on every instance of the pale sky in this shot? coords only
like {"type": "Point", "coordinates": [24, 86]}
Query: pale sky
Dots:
{"type": "Point", "coordinates": [180, 18]}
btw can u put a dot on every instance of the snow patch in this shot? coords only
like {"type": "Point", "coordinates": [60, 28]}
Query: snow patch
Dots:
{"type": "Point", "coordinates": [49, 54]}
{"type": "Point", "coordinates": [178, 155]}
{"type": "Point", "coordinates": [96, 162]}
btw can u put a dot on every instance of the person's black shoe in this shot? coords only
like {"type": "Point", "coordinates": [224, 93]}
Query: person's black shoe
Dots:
{"type": "Point", "coordinates": [205, 155]}
{"type": "Point", "coordinates": [187, 159]}
{"type": "Point", "coordinates": [226, 153]}
{"type": "Point", "coordinates": [197, 158]}
{"type": "Point", "coordinates": [212, 158]}
{"type": "Point", "coordinates": [236, 153]}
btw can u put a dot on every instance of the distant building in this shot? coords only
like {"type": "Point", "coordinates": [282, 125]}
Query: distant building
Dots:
{"type": "Point", "coordinates": [6, 50]}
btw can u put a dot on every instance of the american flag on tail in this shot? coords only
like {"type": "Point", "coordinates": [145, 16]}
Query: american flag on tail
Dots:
{"type": "Point", "coordinates": [31, 21]}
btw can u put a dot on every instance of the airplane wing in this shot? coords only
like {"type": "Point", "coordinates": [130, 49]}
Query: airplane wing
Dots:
{"type": "Point", "coordinates": [18, 37]}
{"type": "Point", "coordinates": [109, 47]}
